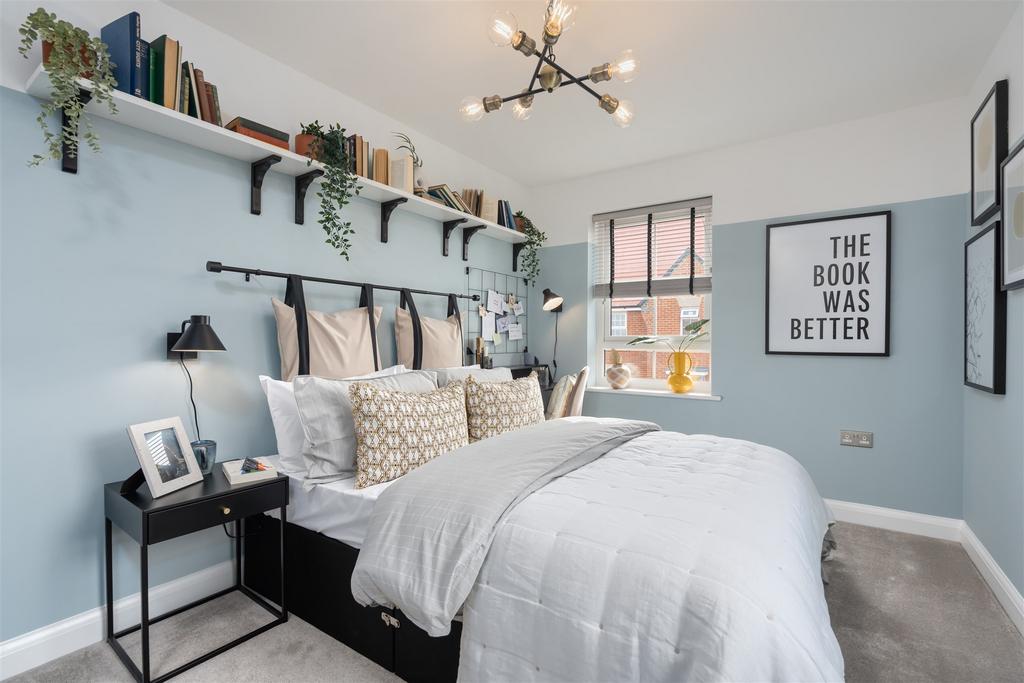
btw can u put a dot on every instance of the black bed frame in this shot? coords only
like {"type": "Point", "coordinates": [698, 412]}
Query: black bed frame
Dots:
{"type": "Point", "coordinates": [317, 586]}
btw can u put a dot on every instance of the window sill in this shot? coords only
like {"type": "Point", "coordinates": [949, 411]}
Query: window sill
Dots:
{"type": "Point", "coordinates": [655, 393]}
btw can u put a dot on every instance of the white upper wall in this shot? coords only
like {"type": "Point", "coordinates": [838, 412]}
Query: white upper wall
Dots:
{"type": "Point", "coordinates": [1005, 61]}
{"type": "Point", "coordinates": [253, 85]}
{"type": "Point", "coordinates": [900, 156]}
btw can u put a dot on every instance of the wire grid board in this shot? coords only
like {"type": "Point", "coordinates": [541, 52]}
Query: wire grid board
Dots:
{"type": "Point", "coordinates": [478, 281]}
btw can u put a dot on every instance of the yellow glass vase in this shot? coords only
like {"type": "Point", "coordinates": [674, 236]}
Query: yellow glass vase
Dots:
{"type": "Point", "coordinates": [679, 381]}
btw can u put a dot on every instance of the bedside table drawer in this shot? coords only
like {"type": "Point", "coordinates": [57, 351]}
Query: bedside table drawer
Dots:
{"type": "Point", "coordinates": [204, 514]}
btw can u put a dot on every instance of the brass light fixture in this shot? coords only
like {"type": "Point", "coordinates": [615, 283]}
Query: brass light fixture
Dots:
{"type": "Point", "coordinates": [548, 76]}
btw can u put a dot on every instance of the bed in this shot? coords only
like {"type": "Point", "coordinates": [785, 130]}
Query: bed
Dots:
{"type": "Point", "coordinates": [583, 549]}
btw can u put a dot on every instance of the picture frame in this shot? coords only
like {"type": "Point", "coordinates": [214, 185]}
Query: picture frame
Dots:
{"type": "Point", "coordinates": [1011, 217]}
{"type": "Point", "coordinates": [984, 313]}
{"type": "Point", "coordinates": [989, 141]}
{"type": "Point", "coordinates": [165, 456]}
{"type": "Point", "coordinates": [827, 286]}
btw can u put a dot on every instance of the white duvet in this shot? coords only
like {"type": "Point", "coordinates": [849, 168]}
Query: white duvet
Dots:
{"type": "Point", "coordinates": [671, 558]}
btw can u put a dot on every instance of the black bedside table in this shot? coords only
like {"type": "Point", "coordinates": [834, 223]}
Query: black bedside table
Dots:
{"type": "Point", "coordinates": [200, 506]}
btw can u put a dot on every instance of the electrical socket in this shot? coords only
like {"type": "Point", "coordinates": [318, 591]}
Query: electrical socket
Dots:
{"type": "Point", "coordinates": [848, 437]}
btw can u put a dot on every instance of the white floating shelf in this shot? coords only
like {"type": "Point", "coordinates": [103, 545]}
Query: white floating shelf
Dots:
{"type": "Point", "coordinates": [153, 118]}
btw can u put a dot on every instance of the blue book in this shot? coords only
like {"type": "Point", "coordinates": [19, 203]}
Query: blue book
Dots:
{"type": "Point", "coordinates": [123, 39]}
{"type": "Point", "coordinates": [144, 71]}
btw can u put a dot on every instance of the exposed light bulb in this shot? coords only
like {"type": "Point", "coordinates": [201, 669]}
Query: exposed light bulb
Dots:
{"type": "Point", "coordinates": [623, 114]}
{"type": "Point", "coordinates": [502, 27]}
{"type": "Point", "coordinates": [521, 113]}
{"type": "Point", "coordinates": [625, 67]}
{"type": "Point", "coordinates": [559, 17]}
{"type": "Point", "coordinates": [471, 109]}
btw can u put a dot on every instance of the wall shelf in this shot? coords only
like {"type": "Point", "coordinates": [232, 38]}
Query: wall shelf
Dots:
{"type": "Point", "coordinates": [158, 120]}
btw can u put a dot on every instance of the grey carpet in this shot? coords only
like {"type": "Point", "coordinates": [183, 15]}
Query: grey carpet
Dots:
{"type": "Point", "coordinates": [904, 608]}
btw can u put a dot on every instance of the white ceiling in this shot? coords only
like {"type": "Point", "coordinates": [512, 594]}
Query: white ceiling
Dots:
{"type": "Point", "coordinates": [711, 73]}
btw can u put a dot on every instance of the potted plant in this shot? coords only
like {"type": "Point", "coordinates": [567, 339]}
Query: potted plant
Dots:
{"type": "Point", "coordinates": [679, 380]}
{"type": "Point", "coordinates": [306, 140]}
{"type": "Point", "coordinates": [617, 374]}
{"type": "Point", "coordinates": [69, 53]}
{"type": "Point", "coordinates": [338, 184]}
{"type": "Point", "coordinates": [535, 239]}
{"type": "Point", "coordinates": [408, 145]}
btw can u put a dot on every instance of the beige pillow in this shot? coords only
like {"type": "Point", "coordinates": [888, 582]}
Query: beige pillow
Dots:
{"type": "Point", "coordinates": [493, 408]}
{"type": "Point", "coordinates": [339, 343]}
{"type": "Point", "coordinates": [442, 340]}
{"type": "Point", "coordinates": [561, 396]}
{"type": "Point", "coordinates": [397, 432]}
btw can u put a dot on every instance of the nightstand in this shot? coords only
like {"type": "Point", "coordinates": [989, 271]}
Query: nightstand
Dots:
{"type": "Point", "coordinates": [200, 506]}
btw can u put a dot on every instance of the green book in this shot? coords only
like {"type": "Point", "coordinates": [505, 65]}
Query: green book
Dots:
{"type": "Point", "coordinates": [157, 51]}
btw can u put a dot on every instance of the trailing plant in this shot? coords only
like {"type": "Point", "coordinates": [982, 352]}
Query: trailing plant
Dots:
{"type": "Point", "coordinates": [694, 331]}
{"type": "Point", "coordinates": [338, 184]}
{"type": "Point", "coordinates": [74, 54]}
{"type": "Point", "coordinates": [408, 145]}
{"type": "Point", "coordinates": [535, 239]}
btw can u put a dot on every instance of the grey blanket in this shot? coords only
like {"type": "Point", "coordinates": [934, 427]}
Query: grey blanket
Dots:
{"type": "Point", "coordinates": [432, 529]}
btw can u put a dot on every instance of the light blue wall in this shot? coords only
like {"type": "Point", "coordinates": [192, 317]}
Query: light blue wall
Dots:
{"type": "Point", "coordinates": [910, 400]}
{"type": "Point", "coordinates": [96, 268]}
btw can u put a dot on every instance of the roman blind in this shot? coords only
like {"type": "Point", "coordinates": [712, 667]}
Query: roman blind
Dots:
{"type": "Point", "coordinates": [662, 250]}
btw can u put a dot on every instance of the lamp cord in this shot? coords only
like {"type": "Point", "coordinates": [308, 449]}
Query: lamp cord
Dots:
{"type": "Point", "coordinates": [195, 413]}
{"type": "Point", "coordinates": [554, 352]}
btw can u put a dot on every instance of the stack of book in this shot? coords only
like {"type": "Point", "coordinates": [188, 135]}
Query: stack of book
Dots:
{"type": "Point", "coordinates": [258, 131]}
{"type": "Point", "coordinates": [156, 71]}
{"type": "Point", "coordinates": [442, 194]}
{"type": "Point", "coordinates": [494, 210]}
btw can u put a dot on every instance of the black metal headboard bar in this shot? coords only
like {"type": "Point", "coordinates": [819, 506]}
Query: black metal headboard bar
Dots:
{"type": "Point", "coordinates": [218, 267]}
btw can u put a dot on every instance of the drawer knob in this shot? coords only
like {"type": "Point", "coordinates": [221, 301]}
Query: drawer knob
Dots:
{"type": "Point", "coordinates": [225, 509]}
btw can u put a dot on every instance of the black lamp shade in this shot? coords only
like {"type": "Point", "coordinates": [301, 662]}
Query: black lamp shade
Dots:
{"type": "Point", "coordinates": [552, 302]}
{"type": "Point", "coordinates": [197, 335]}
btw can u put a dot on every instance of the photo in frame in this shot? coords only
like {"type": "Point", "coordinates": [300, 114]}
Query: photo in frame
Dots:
{"type": "Point", "coordinates": [989, 140]}
{"type": "Point", "coordinates": [827, 286]}
{"type": "Point", "coordinates": [165, 456]}
{"type": "Point", "coordinates": [984, 313]}
{"type": "Point", "coordinates": [1011, 179]}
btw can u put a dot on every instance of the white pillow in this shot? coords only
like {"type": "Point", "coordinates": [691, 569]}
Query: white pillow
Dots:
{"type": "Point", "coordinates": [446, 375]}
{"type": "Point", "coordinates": [284, 413]}
{"type": "Point", "coordinates": [325, 409]}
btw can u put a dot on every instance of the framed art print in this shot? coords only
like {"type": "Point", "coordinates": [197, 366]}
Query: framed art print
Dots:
{"type": "Point", "coordinates": [165, 455]}
{"type": "Point", "coordinates": [989, 135]}
{"type": "Point", "coordinates": [1011, 181]}
{"type": "Point", "coordinates": [984, 314]}
{"type": "Point", "coordinates": [827, 286]}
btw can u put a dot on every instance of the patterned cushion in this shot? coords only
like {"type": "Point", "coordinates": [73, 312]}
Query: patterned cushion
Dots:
{"type": "Point", "coordinates": [497, 407]}
{"type": "Point", "coordinates": [397, 431]}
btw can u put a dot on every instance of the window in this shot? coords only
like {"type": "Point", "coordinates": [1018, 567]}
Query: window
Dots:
{"type": "Point", "coordinates": [661, 284]}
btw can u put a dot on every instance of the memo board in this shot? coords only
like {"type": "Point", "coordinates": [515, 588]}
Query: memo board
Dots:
{"type": "Point", "coordinates": [478, 281]}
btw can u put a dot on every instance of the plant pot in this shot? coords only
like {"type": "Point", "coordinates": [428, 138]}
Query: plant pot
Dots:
{"type": "Point", "coordinates": [86, 58]}
{"type": "Point", "coordinates": [618, 376]}
{"type": "Point", "coordinates": [305, 145]}
{"type": "Point", "coordinates": [519, 225]}
{"type": "Point", "coordinates": [679, 381]}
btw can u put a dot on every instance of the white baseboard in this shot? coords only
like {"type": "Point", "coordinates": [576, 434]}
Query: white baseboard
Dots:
{"type": "Point", "coordinates": [945, 528]}
{"type": "Point", "coordinates": [1006, 593]}
{"type": "Point", "coordinates": [44, 644]}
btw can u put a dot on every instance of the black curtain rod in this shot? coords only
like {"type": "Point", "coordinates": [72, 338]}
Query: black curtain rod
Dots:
{"type": "Point", "coordinates": [218, 267]}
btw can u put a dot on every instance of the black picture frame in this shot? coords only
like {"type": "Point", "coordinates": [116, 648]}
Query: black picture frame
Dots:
{"type": "Point", "coordinates": [998, 349]}
{"type": "Point", "coordinates": [888, 285]}
{"type": "Point", "coordinates": [1007, 221]}
{"type": "Point", "coordinates": [1000, 93]}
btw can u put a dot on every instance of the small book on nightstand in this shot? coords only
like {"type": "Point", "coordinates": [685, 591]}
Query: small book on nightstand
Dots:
{"type": "Point", "coordinates": [234, 474]}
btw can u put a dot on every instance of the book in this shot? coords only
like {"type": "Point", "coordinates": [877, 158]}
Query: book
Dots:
{"type": "Point", "coordinates": [360, 164]}
{"type": "Point", "coordinates": [123, 40]}
{"type": "Point", "coordinates": [144, 69]}
{"type": "Point", "coordinates": [381, 166]}
{"type": "Point", "coordinates": [157, 57]}
{"type": "Point", "coordinates": [350, 150]}
{"type": "Point", "coordinates": [193, 91]}
{"type": "Point", "coordinates": [489, 209]}
{"type": "Point", "coordinates": [165, 51]}
{"type": "Point", "coordinates": [257, 135]}
{"type": "Point", "coordinates": [177, 79]}
{"type": "Point", "coordinates": [367, 159]}
{"type": "Point", "coordinates": [257, 127]}
{"type": "Point", "coordinates": [214, 103]}
{"type": "Point", "coordinates": [186, 89]}
{"type": "Point", "coordinates": [401, 174]}
{"type": "Point", "coordinates": [204, 105]}
{"type": "Point", "coordinates": [233, 472]}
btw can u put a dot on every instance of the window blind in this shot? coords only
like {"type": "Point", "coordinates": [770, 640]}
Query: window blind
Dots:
{"type": "Point", "coordinates": [662, 250]}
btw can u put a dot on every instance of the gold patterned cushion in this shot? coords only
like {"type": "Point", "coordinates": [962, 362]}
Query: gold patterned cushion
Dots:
{"type": "Point", "coordinates": [397, 431]}
{"type": "Point", "coordinates": [497, 407]}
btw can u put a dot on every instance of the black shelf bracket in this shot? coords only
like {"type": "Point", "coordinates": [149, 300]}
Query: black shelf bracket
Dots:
{"type": "Point", "coordinates": [302, 183]}
{"type": "Point", "coordinates": [467, 235]}
{"type": "Point", "coordinates": [516, 248]}
{"type": "Point", "coordinates": [68, 163]}
{"type": "Point", "coordinates": [447, 232]}
{"type": "Point", "coordinates": [385, 215]}
{"type": "Point", "coordinates": [259, 171]}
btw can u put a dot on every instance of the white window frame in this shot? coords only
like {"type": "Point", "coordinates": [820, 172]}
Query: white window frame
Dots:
{"type": "Point", "coordinates": [625, 320]}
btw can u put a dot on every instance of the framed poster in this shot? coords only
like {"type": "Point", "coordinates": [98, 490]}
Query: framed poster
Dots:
{"type": "Point", "coordinates": [827, 286]}
{"type": "Point", "coordinates": [984, 314]}
{"type": "Point", "coordinates": [989, 134]}
{"type": "Point", "coordinates": [1011, 180]}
